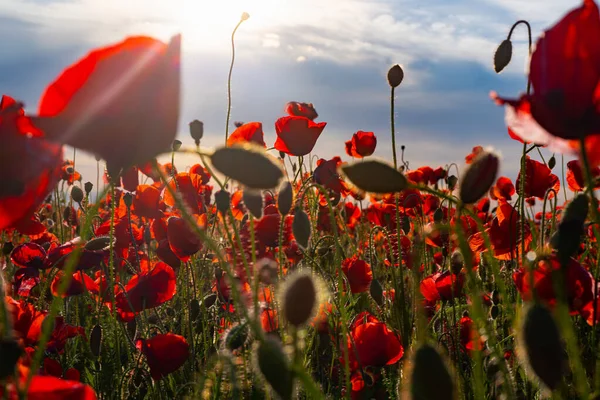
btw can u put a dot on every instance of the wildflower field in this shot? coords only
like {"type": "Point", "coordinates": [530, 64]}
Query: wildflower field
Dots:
{"type": "Point", "coordinates": [265, 271]}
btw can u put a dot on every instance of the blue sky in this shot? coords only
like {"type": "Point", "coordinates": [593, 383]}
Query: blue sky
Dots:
{"type": "Point", "coordinates": [333, 53]}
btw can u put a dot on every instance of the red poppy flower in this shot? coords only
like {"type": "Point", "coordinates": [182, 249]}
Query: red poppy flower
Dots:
{"type": "Point", "coordinates": [442, 286]}
{"type": "Point", "coordinates": [164, 353]}
{"type": "Point", "coordinates": [564, 73]}
{"type": "Point", "coordinates": [191, 187]}
{"type": "Point", "coordinates": [80, 283]}
{"type": "Point", "coordinates": [120, 102]}
{"type": "Point", "coordinates": [326, 174]}
{"type": "Point", "coordinates": [359, 274]}
{"type": "Point", "coordinates": [352, 214]}
{"type": "Point", "coordinates": [578, 283]}
{"type": "Point", "coordinates": [183, 241]}
{"type": "Point", "coordinates": [575, 178]}
{"type": "Point", "coordinates": [503, 188]}
{"type": "Point", "coordinates": [147, 290]}
{"type": "Point", "coordinates": [468, 335]}
{"type": "Point", "coordinates": [267, 230]}
{"type": "Point", "coordinates": [373, 343]}
{"type": "Point", "coordinates": [68, 173]}
{"type": "Point", "coordinates": [202, 172]}
{"type": "Point", "coordinates": [53, 388]}
{"type": "Point", "coordinates": [27, 321]}
{"type": "Point", "coordinates": [251, 132]}
{"type": "Point", "coordinates": [539, 179]}
{"type": "Point", "coordinates": [269, 320]}
{"type": "Point", "coordinates": [294, 108]}
{"type": "Point", "coordinates": [146, 202]}
{"type": "Point", "coordinates": [297, 136]}
{"type": "Point", "coordinates": [361, 145]}
{"type": "Point", "coordinates": [125, 231]}
{"type": "Point", "coordinates": [474, 153]}
{"type": "Point", "coordinates": [29, 165]}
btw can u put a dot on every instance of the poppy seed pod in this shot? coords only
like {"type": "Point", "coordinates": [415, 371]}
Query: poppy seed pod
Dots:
{"type": "Point", "coordinates": [254, 202]}
{"type": "Point", "coordinates": [502, 55]}
{"type": "Point", "coordinates": [285, 198]}
{"type": "Point", "coordinates": [196, 130]}
{"type": "Point", "coordinates": [543, 350]}
{"type": "Point", "coordinates": [274, 366]}
{"type": "Point", "coordinates": [395, 76]}
{"type": "Point", "coordinates": [176, 145]}
{"type": "Point", "coordinates": [299, 299]}
{"type": "Point", "coordinates": [222, 200]}
{"type": "Point", "coordinates": [236, 337]}
{"type": "Point", "coordinates": [301, 228]}
{"type": "Point", "coordinates": [76, 194]}
{"type": "Point", "coordinates": [479, 177]}
{"type": "Point", "coordinates": [429, 366]}
{"type": "Point", "coordinates": [128, 199]}
{"type": "Point", "coordinates": [96, 340]}
{"type": "Point", "coordinates": [88, 186]}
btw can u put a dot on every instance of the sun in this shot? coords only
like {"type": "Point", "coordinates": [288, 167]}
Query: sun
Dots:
{"type": "Point", "coordinates": [206, 23]}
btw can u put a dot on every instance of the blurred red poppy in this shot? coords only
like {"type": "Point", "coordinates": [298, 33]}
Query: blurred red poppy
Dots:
{"type": "Point", "coordinates": [443, 286]}
{"type": "Point", "coordinates": [79, 284]}
{"type": "Point", "coordinates": [575, 177]}
{"type": "Point", "coordinates": [577, 282]}
{"type": "Point", "coordinates": [196, 195]}
{"type": "Point", "coordinates": [29, 165]}
{"type": "Point", "coordinates": [251, 132]}
{"type": "Point", "coordinates": [539, 179]}
{"type": "Point", "coordinates": [68, 173]}
{"type": "Point", "coordinates": [182, 240]}
{"type": "Point", "coordinates": [297, 136]}
{"type": "Point", "coordinates": [120, 102]}
{"type": "Point", "coordinates": [359, 274]}
{"type": "Point", "coordinates": [361, 145]}
{"type": "Point", "coordinates": [165, 353]}
{"type": "Point", "coordinates": [294, 108]}
{"type": "Point", "coordinates": [146, 202]}
{"type": "Point", "coordinates": [269, 320]}
{"type": "Point", "coordinates": [474, 153]}
{"type": "Point", "coordinates": [267, 230]}
{"type": "Point", "coordinates": [53, 388]}
{"type": "Point", "coordinates": [373, 343]}
{"type": "Point", "coordinates": [326, 174]}
{"type": "Point", "coordinates": [503, 188]}
{"type": "Point", "coordinates": [564, 71]}
{"type": "Point", "coordinates": [147, 290]}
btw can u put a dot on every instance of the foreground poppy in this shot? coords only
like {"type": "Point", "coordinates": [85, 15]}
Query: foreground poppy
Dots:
{"type": "Point", "coordinates": [164, 353]}
{"type": "Point", "coordinates": [373, 343]}
{"type": "Point", "coordinates": [119, 102]}
{"type": "Point", "coordinates": [52, 388]}
{"type": "Point", "coordinates": [359, 274]}
{"type": "Point", "coordinates": [361, 145]}
{"type": "Point", "coordinates": [29, 165]}
{"type": "Point", "coordinates": [575, 177]}
{"type": "Point", "coordinates": [564, 73]}
{"type": "Point", "coordinates": [251, 132]}
{"type": "Point", "coordinates": [297, 136]}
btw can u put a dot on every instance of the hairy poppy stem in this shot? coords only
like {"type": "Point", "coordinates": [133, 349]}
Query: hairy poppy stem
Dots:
{"type": "Point", "coordinates": [229, 77]}
{"type": "Point", "coordinates": [393, 126]}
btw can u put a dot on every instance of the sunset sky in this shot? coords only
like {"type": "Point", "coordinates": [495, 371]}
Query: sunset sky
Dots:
{"type": "Point", "coordinates": [332, 53]}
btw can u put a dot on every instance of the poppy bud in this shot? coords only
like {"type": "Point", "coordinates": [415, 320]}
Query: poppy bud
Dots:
{"type": "Point", "coordinates": [285, 198]}
{"type": "Point", "coordinates": [128, 199]}
{"type": "Point", "coordinates": [502, 55]}
{"type": "Point", "coordinates": [96, 340]}
{"type": "Point", "coordinates": [479, 177]}
{"type": "Point", "coordinates": [567, 238]}
{"type": "Point", "coordinates": [237, 124]}
{"type": "Point", "coordinates": [76, 194]}
{"type": "Point", "coordinates": [496, 296]}
{"type": "Point", "coordinates": [249, 165]}
{"type": "Point", "coordinates": [456, 262]}
{"type": "Point", "coordinates": [438, 216]}
{"type": "Point", "coordinates": [281, 155]}
{"type": "Point", "coordinates": [494, 311]}
{"type": "Point", "coordinates": [274, 366]}
{"type": "Point", "coordinates": [245, 16]}
{"type": "Point", "coordinates": [428, 366]}
{"type": "Point", "coordinates": [236, 337]}
{"type": "Point", "coordinates": [552, 162]}
{"type": "Point", "coordinates": [301, 228]}
{"type": "Point", "coordinates": [299, 299]}
{"type": "Point", "coordinates": [176, 145]}
{"type": "Point", "coordinates": [209, 300]}
{"type": "Point", "coordinates": [196, 130]}
{"type": "Point", "coordinates": [194, 309]}
{"type": "Point", "coordinates": [88, 186]}
{"type": "Point", "coordinates": [376, 291]}
{"type": "Point", "coordinates": [542, 345]}
{"type": "Point", "coordinates": [395, 76]}
{"type": "Point", "coordinates": [405, 225]}
{"type": "Point", "coordinates": [451, 181]}
{"type": "Point", "coordinates": [267, 271]}
{"type": "Point", "coordinates": [10, 351]}
{"type": "Point", "coordinates": [7, 248]}
{"type": "Point", "coordinates": [253, 202]}
{"type": "Point", "coordinates": [222, 200]}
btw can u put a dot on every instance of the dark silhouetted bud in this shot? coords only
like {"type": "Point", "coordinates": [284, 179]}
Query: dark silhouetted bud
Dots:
{"type": "Point", "coordinates": [395, 76]}
{"type": "Point", "coordinates": [196, 130]}
{"type": "Point", "coordinates": [96, 340]}
{"type": "Point", "coordinates": [236, 337]}
{"type": "Point", "coordinates": [451, 181]}
{"type": "Point", "coordinates": [88, 186]}
{"type": "Point", "coordinates": [76, 194]}
{"type": "Point", "coordinates": [128, 199]}
{"type": "Point", "coordinates": [552, 162]}
{"type": "Point", "coordinates": [479, 177]}
{"type": "Point", "coordinates": [567, 238]}
{"type": "Point", "coordinates": [7, 248]}
{"type": "Point", "coordinates": [299, 299]}
{"type": "Point", "coordinates": [253, 200]}
{"type": "Point", "coordinates": [494, 311]}
{"type": "Point", "coordinates": [285, 199]}
{"type": "Point", "coordinates": [376, 291]}
{"type": "Point", "coordinates": [222, 200]}
{"type": "Point", "coordinates": [301, 228]}
{"type": "Point", "coordinates": [176, 145]}
{"type": "Point", "coordinates": [502, 55]}
{"type": "Point", "coordinates": [274, 366]}
{"type": "Point", "coordinates": [430, 378]}
{"type": "Point", "coordinates": [10, 351]}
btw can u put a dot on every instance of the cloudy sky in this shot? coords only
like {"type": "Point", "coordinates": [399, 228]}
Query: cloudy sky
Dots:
{"type": "Point", "coordinates": [333, 53]}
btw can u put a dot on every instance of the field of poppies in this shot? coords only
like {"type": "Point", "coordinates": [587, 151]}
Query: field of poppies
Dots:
{"type": "Point", "coordinates": [260, 273]}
